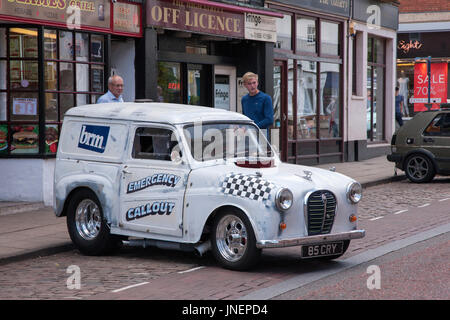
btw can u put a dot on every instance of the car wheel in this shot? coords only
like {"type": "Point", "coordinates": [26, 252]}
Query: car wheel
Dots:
{"type": "Point", "coordinates": [87, 227]}
{"type": "Point", "coordinates": [419, 168]}
{"type": "Point", "coordinates": [233, 241]}
{"type": "Point", "coordinates": [335, 256]}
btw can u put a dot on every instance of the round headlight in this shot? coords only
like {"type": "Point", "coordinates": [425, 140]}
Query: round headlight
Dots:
{"type": "Point", "coordinates": [354, 192]}
{"type": "Point", "coordinates": [284, 199]}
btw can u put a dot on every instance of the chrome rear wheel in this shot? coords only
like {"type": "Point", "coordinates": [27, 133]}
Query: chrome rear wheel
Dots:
{"type": "Point", "coordinates": [88, 219]}
{"type": "Point", "coordinates": [87, 226]}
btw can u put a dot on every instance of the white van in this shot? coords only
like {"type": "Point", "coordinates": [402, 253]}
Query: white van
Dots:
{"type": "Point", "coordinates": [195, 178]}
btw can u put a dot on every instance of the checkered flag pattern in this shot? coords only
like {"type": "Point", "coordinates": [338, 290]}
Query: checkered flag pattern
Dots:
{"type": "Point", "coordinates": [252, 187]}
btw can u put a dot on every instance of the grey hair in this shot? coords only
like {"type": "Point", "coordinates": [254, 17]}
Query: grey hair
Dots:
{"type": "Point", "coordinates": [111, 78]}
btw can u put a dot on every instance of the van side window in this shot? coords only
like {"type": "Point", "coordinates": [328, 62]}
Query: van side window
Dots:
{"type": "Point", "coordinates": [153, 143]}
{"type": "Point", "coordinates": [440, 126]}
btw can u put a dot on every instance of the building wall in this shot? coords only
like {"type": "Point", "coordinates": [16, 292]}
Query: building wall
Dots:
{"type": "Point", "coordinates": [27, 180]}
{"type": "Point", "coordinates": [421, 6]}
{"type": "Point", "coordinates": [122, 62]}
{"type": "Point", "coordinates": [357, 147]}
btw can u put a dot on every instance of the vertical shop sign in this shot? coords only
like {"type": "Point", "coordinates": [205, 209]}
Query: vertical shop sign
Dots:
{"type": "Point", "coordinates": [127, 18]}
{"type": "Point", "coordinates": [260, 27]}
{"type": "Point", "coordinates": [438, 85]}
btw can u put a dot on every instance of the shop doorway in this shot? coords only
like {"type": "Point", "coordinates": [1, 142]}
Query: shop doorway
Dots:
{"type": "Point", "coordinates": [185, 83]}
{"type": "Point", "coordinates": [225, 88]}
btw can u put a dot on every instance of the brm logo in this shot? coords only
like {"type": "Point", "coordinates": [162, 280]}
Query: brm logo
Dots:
{"type": "Point", "coordinates": [93, 138]}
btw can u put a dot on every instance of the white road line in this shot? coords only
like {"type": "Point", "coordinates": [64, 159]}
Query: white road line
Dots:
{"type": "Point", "coordinates": [129, 287]}
{"type": "Point", "coordinates": [424, 205]}
{"type": "Point", "coordinates": [401, 211]}
{"type": "Point", "coordinates": [373, 219]}
{"type": "Point", "coordinates": [444, 199]}
{"type": "Point", "coordinates": [190, 270]}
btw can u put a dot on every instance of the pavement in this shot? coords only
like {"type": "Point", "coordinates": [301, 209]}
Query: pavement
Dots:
{"type": "Point", "coordinates": [31, 229]}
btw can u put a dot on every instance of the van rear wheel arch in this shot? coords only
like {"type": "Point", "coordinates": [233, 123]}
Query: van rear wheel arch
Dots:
{"type": "Point", "coordinates": [87, 225]}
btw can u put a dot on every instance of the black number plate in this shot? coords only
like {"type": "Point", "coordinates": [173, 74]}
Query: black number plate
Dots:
{"type": "Point", "coordinates": [322, 250]}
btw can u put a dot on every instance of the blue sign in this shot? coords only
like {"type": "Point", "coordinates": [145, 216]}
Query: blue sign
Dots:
{"type": "Point", "coordinates": [93, 138]}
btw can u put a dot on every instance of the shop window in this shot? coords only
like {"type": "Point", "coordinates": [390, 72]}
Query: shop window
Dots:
{"type": "Point", "coordinates": [50, 44]}
{"type": "Point", "coordinates": [2, 75]}
{"type": "Point", "coordinates": [306, 100]}
{"type": "Point", "coordinates": [80, 68]}
{"type": "Point", "coordinates": [290, 100]}
{"type": "Point", "coordinates": [169, 82]}
{"type": "Point", "coordinates": [68, 81]}
{"type": "Point", "coordinates": [284, 33]}
{"type": "Point", "coordinates": [405, 83]}
{"type": "Point", "coordinates": [306, 35]}
{"type": "Point", "coordinates": [311, 130]}
{"type": "Point", "coordinates": [330, 100]}
{"type": "Point", "coordinates": [329, 38]}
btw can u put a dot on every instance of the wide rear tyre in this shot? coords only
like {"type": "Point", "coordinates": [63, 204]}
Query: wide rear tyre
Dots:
{"type": "Point", "coordinates": [233, 241]}
{"type": "Point", "coordinates": [87, 226]}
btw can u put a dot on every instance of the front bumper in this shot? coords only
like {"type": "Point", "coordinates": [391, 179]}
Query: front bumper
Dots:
{"type": "Point", "coordinates": [355, 234]}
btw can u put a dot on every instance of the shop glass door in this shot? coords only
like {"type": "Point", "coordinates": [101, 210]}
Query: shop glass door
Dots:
{"type": "Point", "coordinates": [280, 126]}
{"type": "Point", "coordinates": [225, 87]}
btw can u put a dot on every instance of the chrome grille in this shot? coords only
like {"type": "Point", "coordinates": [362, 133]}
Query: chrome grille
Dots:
{"type": "Point", "coordinates": [320, 212]}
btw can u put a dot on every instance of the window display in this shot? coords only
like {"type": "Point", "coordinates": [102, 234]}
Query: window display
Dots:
{"type": "Point", "coordinates": [73, 74]}
{"type": "Point", "coordinates": [169, 79]}
{"type": "Point", "coordinates": [329, 100]}
{"type": "Point", "coordinates": [329, 37]}
{"type": "Point", "coordinates": [306, 35]}
{"type": "Point", "coordinates": [310, 106]}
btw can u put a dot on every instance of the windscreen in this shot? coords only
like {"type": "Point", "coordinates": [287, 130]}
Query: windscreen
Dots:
{"type": "Point", "coordinates": [211, 141]}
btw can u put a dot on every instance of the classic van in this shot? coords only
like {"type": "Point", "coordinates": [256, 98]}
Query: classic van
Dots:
{"type": "Point", "coordinates": [194, 178]}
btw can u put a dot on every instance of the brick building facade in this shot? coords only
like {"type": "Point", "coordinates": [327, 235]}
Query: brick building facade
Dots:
{"type": "Point", "coordinates": [421, 6]}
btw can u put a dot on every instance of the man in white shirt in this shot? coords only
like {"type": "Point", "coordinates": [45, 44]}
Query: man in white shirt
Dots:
{"type": "Point", "coordinates": [114, 94]}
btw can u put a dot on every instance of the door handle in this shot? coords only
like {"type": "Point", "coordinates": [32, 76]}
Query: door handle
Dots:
{"type": "Point", "coordinates": [428, 140]}
{"type": "Point", "coordinates": [125, 171]}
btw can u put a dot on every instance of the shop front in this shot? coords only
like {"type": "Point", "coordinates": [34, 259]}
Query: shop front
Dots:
{"type": "Point", "coordinates": [53, 56]}
{"type": "Point", "coordinates": [334, 64]}
{"type": "Point", "coordinates": [308, 80]}
{"type": "Point", "coordinates": [195, 52]}
{"type": "Point", "coordinates": [423, 66]}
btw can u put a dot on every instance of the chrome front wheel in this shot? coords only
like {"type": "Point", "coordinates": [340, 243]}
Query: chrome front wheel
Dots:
{"type": "Point", "coordinates": [233, 241]}
{"type": "Point", "coordinates": [231, 238]}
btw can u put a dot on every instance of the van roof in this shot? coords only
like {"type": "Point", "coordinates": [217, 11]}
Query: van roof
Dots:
{"type": "Point", "coordinates": [155, 112]}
